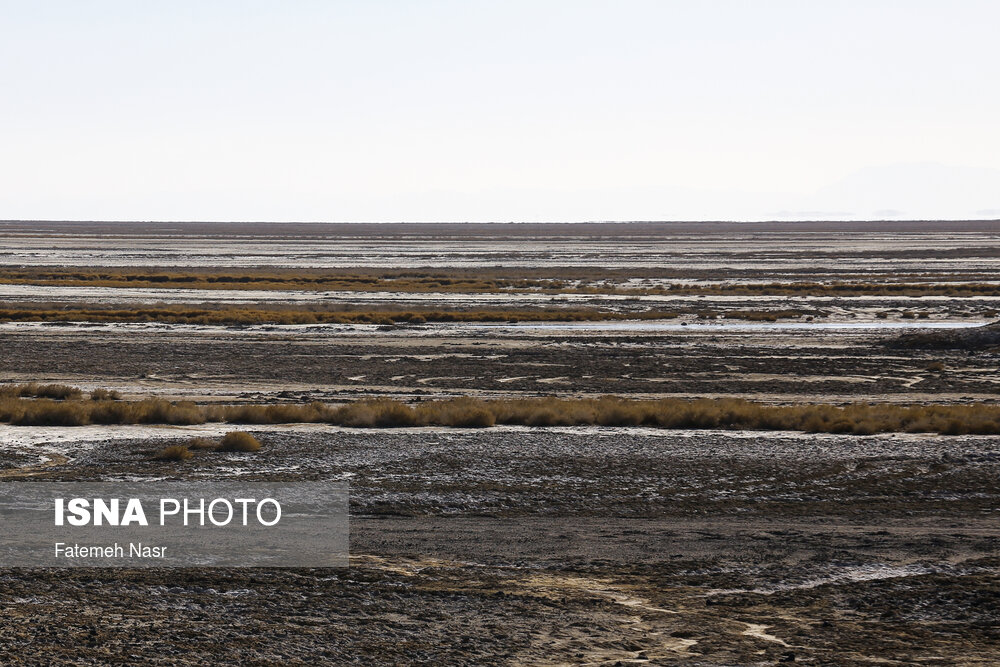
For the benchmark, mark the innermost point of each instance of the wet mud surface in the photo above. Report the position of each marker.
(314, 363)
(564, 546)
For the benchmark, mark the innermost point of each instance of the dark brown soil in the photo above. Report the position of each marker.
(985, 338)
(565, 546)
(306, 365)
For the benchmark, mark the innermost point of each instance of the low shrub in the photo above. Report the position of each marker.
(55, 391)
(675, 413)
(199, 442)
(113, 412)
(46, 412)
(104, 395)
(239, 441)
(459, 412)
(174, 453)
(379, 412)
(228, 315)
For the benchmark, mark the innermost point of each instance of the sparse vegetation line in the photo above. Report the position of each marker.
(243, 316)
(300, 279)
(858, 418)
(554, 280)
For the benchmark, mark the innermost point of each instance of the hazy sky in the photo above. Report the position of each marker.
(466, 110)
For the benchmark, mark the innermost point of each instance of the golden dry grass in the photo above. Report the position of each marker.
(277, 279)
(560, 279)
(57, 391)
(763, 315)
(174, 453)
(238, 316)
(239, 441)
(105, 395)
(670, 413)
(199, 442)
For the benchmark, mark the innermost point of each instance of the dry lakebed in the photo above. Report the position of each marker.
(577, 531)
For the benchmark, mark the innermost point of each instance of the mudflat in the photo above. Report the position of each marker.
(538, 544)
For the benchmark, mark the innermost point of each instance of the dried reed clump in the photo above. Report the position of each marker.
(281, 413)
(857, 418)
(542, 412)
(174, 453)
(160, 411)
(229, 315)
(562, 279)
(113, 412)
(768, 315)
(75, 412)
(56, 391)
(239, 441)
(199, 442)
(278, 315)
(359, 280)
(459, 412)
(378, 413)
(843, 288)
(44, 412)
(105, 395)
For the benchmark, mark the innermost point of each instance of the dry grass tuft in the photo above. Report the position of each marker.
(199, 442)
(174, 453)
(278, 279)
(589, 280)
(857, 418)
(239, 441)
(378, 413)
(44, 412)
(105, 395)
(56, 391)
(458, 412)
(228, 315)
